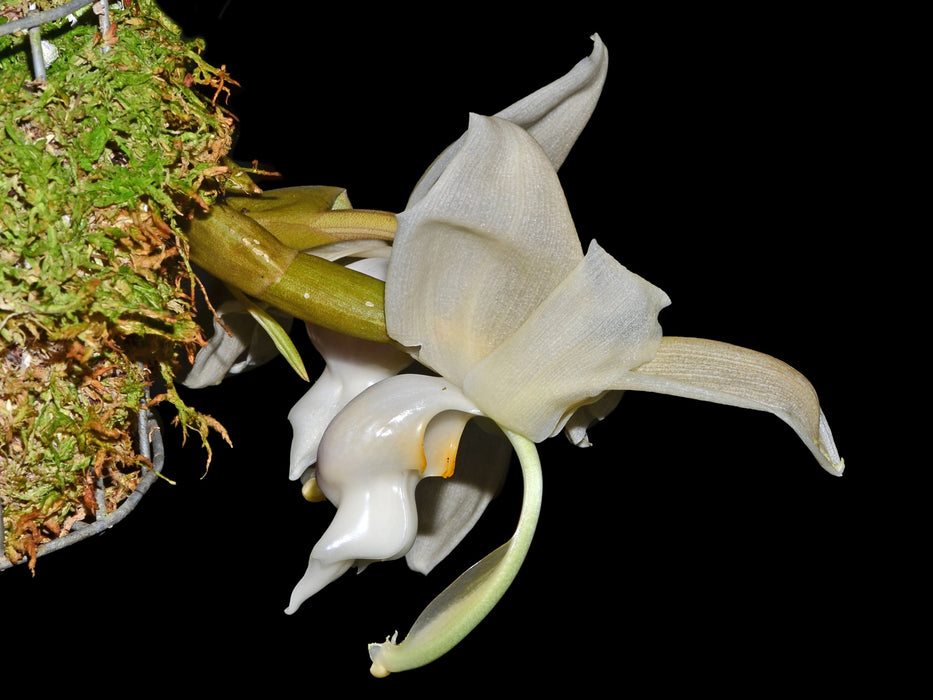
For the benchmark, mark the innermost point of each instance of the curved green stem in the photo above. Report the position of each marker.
(463, 604)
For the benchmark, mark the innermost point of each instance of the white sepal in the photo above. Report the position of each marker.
(598, 324)
(714, 371)
(554, 115)
(238, 344)
(484, 247)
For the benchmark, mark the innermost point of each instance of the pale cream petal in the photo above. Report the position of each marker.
(237, 345)
(481, 251)
(581, 420)
(583, 339)
(554, 115)
(728, 374)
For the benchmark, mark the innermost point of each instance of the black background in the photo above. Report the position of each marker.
(695, 545)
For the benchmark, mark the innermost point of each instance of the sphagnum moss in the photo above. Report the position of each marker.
(126, 136)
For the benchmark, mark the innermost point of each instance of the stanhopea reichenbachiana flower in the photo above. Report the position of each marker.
(519, 334)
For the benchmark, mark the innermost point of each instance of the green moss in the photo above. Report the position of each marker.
(98, 165)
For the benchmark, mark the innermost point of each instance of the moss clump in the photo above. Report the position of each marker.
(99, 163)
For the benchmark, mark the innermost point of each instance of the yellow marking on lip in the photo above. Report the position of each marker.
(450, 460)
(424, 460)
(443, 461)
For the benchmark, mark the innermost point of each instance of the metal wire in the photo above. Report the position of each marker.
(32, 23)
(44, 17)
(150, 446)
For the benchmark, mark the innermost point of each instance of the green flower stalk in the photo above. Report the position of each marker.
(235, 248)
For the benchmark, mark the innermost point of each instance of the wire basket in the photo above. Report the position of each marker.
(152, 449)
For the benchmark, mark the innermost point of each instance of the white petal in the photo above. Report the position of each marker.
(370, 459)
(591, 331)
(554, 115)
(317, 575)
(238, 344)
(356, 248)
(481, 251)
(713, 371)
(449, 508)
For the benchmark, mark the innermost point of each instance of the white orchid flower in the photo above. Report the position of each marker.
(497, 204)
(488, 287)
